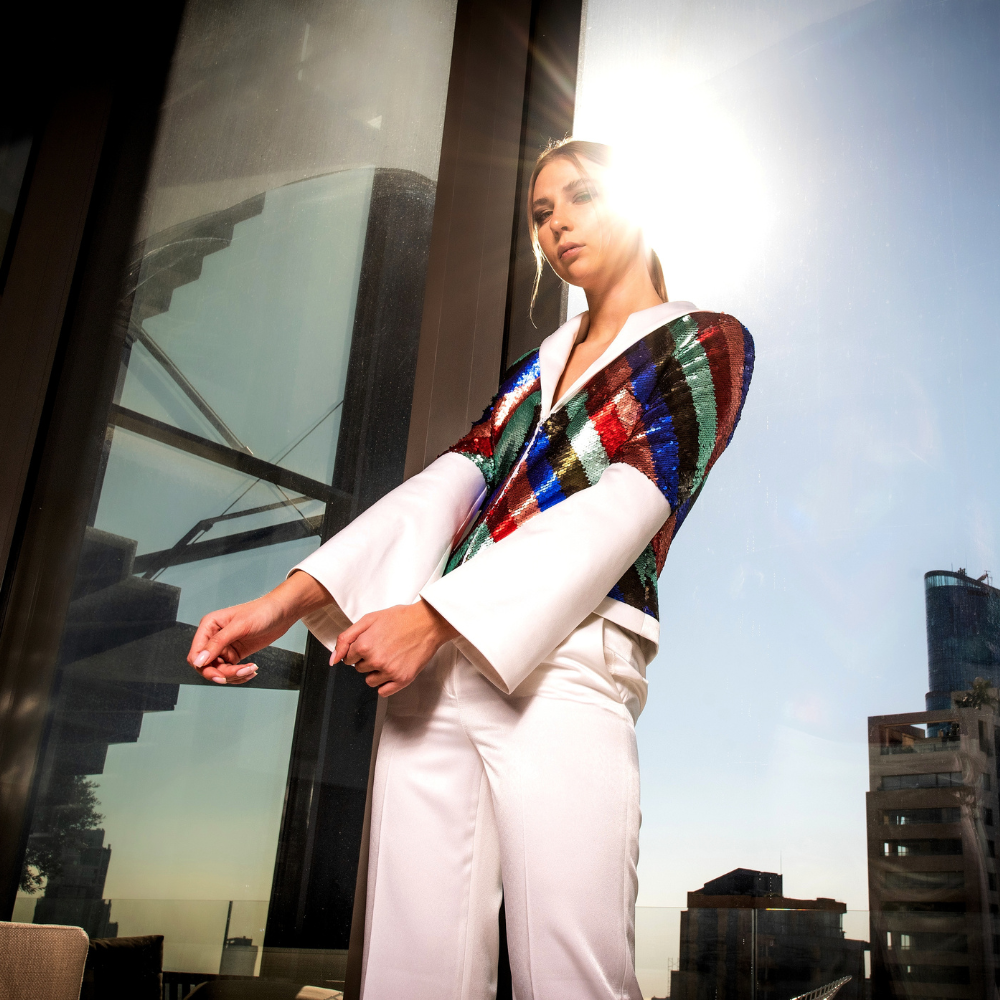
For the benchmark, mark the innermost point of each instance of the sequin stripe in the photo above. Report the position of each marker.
(662, 540)
(517, 504)
(520, 380)
(589, 447)
(637, 586)
(734, 374)
(653, 450)
(749, 359)
(563, 458)
(513, 436)
(726, 366)
(684, 423)
(698, 376)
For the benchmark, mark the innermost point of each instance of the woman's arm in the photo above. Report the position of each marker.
(225, 637)
(381, 559)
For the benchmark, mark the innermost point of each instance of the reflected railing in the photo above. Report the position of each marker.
(213, 937)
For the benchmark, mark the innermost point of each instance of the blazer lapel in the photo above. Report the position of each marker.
(555, 349)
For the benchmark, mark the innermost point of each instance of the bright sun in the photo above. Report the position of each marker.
(694, 183)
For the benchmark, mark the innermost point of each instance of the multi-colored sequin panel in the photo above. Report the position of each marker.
(667, 406)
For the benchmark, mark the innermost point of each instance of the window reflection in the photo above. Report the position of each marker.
(268, 322)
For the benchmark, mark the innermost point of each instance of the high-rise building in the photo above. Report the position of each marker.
(75, 895)
(741, 939)
(932, 870)
(963, 634)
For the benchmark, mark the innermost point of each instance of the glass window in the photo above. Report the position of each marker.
(907, 817)
(276, 277)
(826, 172)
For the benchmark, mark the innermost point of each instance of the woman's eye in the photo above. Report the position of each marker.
(540, 217)
(583, 196)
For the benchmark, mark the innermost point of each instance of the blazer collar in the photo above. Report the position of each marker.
(556, 348)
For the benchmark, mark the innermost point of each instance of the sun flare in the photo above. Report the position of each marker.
(686, 172)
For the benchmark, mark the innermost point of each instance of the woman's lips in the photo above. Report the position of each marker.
(570, 251)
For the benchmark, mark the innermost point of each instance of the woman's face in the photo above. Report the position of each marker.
(584, 239)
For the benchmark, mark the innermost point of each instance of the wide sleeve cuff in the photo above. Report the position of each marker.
(516, 600)
(387, 554)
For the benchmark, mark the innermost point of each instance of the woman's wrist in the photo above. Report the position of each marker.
(442, 630)
(297, 596)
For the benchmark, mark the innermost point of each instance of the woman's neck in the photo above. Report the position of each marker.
(609, 306)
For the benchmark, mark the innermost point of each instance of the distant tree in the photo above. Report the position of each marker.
(67, 810)
(980, 696)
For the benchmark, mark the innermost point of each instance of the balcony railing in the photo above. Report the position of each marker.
(924, 746)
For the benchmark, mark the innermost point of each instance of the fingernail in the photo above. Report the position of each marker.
(249, 668)
(201, 659)
(219, 680)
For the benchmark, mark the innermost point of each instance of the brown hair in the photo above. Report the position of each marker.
(576, 150)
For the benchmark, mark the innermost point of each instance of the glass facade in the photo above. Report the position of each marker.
(963, 634)
(269, 320)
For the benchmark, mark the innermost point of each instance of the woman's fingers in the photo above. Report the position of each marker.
(348, 637)
(229, 673)
(220, 646)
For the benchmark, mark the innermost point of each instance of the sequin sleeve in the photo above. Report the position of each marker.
(496, 437)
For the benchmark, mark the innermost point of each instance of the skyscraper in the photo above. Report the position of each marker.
(963, 634)
(932, 870)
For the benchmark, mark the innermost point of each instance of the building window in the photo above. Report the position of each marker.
(930, 941)
(924, 881)
(914, 817)
(956, 975)
(936, 779)
(992, 880)
(988, 817)
(991, 848)
(986, 783)
(922, 848)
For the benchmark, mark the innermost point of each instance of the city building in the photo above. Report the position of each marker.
(742, 938)
(932, 873)
(74, 893)
(963, 634)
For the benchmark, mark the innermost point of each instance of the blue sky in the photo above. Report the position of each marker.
(852, 221)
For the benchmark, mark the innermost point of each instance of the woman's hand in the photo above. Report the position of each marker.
(225, 637)
(394, 645)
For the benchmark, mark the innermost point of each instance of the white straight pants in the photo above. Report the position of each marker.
(532, 796)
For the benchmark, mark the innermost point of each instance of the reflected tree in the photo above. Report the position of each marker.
(981, 696)
(68, 812)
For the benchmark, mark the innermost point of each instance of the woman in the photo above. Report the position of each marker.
(506, 599)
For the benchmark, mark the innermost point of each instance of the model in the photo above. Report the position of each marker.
(506, 599)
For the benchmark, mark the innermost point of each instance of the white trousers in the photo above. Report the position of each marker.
(534, 797)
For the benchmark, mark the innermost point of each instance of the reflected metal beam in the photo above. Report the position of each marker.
(250, 465)
(256, 538)
(136, 332)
